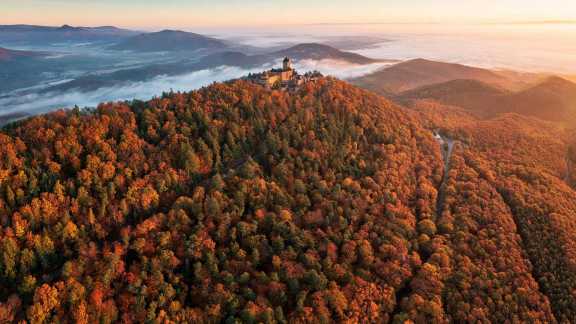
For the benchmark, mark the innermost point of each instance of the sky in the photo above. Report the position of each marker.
(191, 13)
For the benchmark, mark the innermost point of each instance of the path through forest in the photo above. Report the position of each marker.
(447, 147)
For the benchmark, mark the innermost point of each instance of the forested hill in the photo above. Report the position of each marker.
(238, 204)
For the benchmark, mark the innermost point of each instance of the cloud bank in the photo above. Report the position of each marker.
(144, 90)
(339, 69)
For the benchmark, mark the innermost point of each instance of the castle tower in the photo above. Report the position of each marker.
(287, 64)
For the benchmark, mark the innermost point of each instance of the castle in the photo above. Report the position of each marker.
(285, 79)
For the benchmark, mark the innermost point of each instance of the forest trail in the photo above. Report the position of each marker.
(447, 147)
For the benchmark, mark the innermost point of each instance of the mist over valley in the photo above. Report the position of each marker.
(47, 68)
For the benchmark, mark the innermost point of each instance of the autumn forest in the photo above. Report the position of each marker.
(238, 204)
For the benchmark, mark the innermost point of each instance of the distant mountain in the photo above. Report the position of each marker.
(169, 40)
(476, 96)
(228, 58)
(10, 55)
(27, 28)
(66, 33)
(64, 28)
(553, 99)
(520, 80)
(419, 72)
(314, 51)
(297, 53)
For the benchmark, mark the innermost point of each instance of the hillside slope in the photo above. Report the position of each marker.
(419, 72)
(554, 99)
(524, 163)
(476, 96)
(329, 204)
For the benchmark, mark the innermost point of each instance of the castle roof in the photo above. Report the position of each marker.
(286, 59)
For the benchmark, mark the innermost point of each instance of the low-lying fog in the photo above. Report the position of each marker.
(533, 47)
(38, 102)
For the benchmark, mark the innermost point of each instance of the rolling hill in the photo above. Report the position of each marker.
(416, 73)
(554, 99)
(169, 40)
(455, 90)
(477, 97)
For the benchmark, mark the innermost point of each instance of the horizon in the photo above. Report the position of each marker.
(570, 23)
(258, 13)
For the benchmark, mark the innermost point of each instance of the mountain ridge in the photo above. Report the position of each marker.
(411, 74)
(321, 51)
(24, 27)
(552, 99)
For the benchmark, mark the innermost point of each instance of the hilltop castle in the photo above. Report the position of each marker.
(285, 78)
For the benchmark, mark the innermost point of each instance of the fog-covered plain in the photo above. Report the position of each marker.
(531, 54)
(530, 47)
